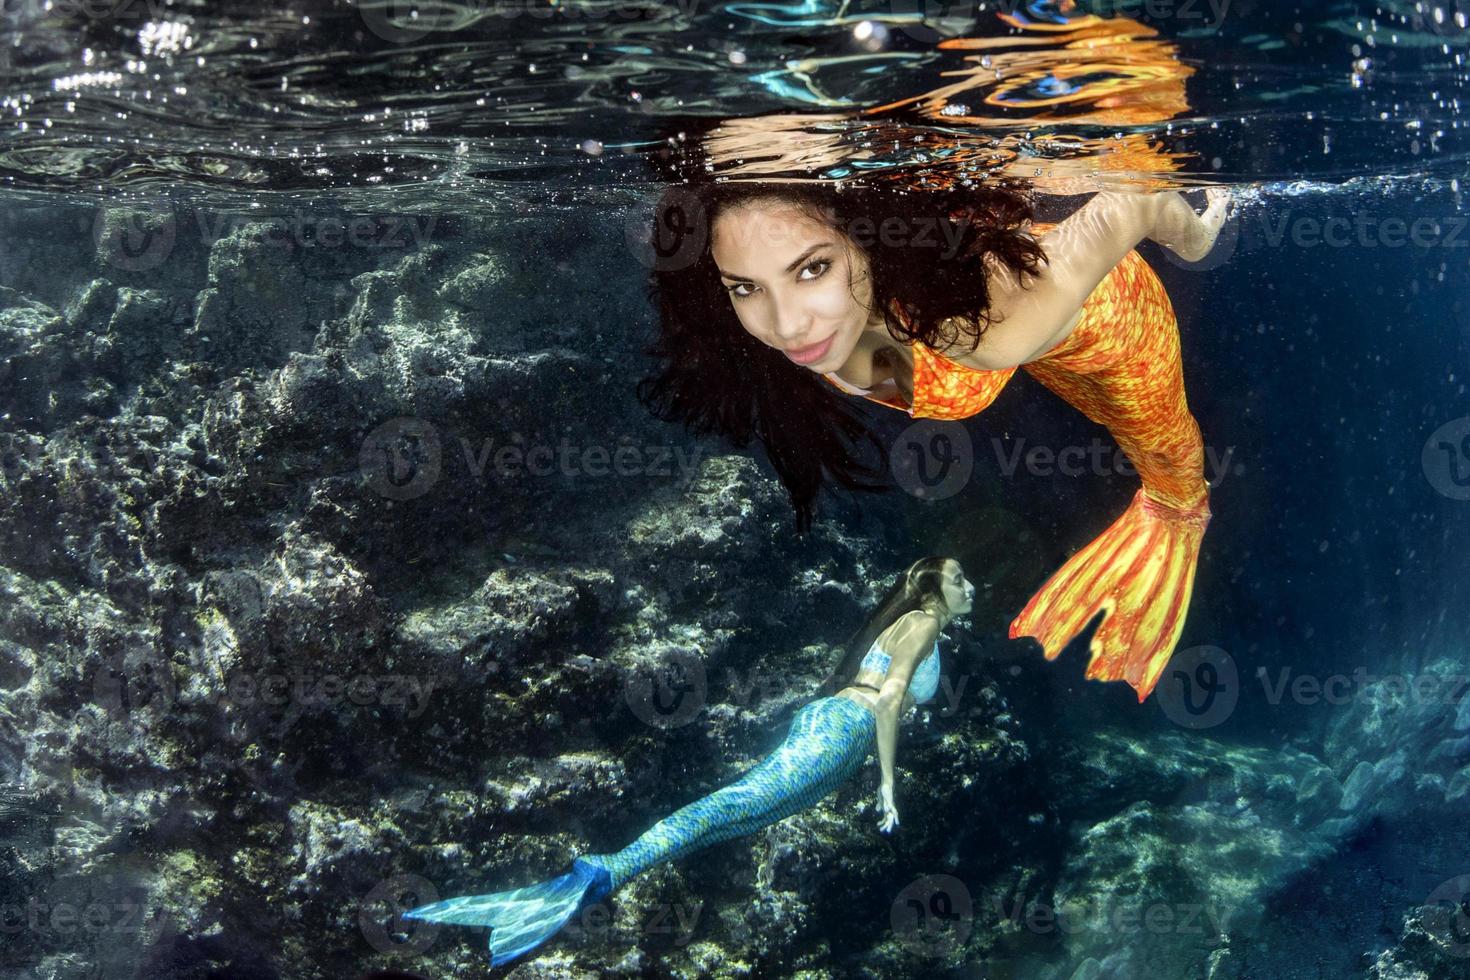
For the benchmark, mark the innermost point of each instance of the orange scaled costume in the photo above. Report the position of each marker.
(1120, 366)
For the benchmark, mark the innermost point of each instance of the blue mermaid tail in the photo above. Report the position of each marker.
(828, 742)
(523, 918)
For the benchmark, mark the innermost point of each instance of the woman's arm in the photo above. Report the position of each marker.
(1188, 235)
(887, 714)
(1031, 318)
(912, 638)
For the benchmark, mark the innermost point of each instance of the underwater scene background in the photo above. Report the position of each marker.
(341, 570)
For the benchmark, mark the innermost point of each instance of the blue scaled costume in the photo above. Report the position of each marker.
(828, 742)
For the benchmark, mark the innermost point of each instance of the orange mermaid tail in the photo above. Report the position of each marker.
(1121, 367)
(1140, 571)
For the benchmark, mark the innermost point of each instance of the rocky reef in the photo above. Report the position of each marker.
(335, 580)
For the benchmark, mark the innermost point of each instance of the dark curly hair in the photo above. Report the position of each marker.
(714, 376)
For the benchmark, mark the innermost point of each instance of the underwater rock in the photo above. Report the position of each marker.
(1407, 763)
(515, 616)
(36, 355)
(1177, 846)
(331, 848)
(258, 305)
(477, 286)
(55, 369)
(143, 335)
(1400, 727)
(1434, 946)
(86, 765)
(398, 331)
(708, 533)
(310, 591)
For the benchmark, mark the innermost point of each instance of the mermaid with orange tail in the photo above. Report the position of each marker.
(789, 301)
(1118, 364)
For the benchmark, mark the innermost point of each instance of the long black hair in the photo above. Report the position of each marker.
(923, 580)
(930, 262)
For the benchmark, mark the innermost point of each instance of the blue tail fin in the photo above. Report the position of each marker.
(522, 919)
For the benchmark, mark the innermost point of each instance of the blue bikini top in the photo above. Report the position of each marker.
(925, 682)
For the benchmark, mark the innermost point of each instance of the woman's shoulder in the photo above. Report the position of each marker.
(916, 625)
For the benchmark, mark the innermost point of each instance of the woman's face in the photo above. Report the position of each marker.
(959, 592)
(795, 284)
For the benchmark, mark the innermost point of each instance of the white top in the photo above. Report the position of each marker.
(850, 389)
(888, 388)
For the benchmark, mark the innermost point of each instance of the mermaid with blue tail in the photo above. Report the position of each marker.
(892, 662)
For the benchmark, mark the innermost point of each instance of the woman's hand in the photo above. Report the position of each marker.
(886, 807)
(1188, 235)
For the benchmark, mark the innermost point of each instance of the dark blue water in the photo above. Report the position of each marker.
(235, 244)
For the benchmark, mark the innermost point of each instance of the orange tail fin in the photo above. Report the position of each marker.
(1141, 571)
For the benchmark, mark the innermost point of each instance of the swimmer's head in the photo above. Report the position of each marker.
(935, 583)
(794, 282)
(942, 586)
(804, 270)
(745, 274)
